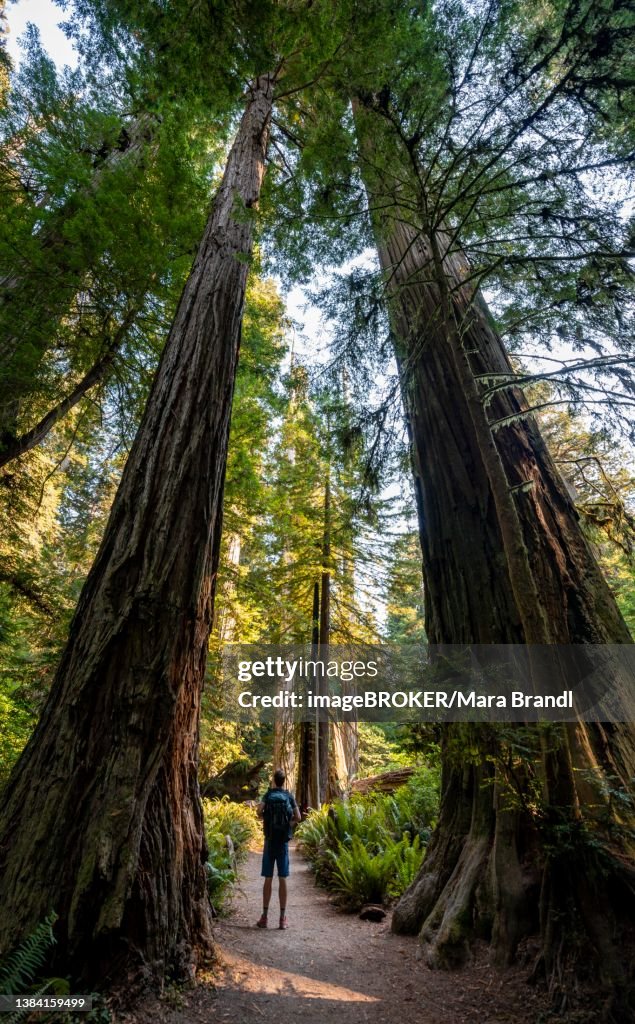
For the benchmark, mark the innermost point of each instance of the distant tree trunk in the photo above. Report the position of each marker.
(225, 624)
(336, 738)
(286, 735)
(342, 763)
(101, 820)
(308, 790)
(504, 561)
(346, 738)
(293, 742)
(5, 60)
(325, 726)
(284, 753)
(335, 744)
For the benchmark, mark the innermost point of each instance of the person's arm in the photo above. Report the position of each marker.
(296, 811)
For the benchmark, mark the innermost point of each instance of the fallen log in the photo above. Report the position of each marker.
(386, 782)
(239, 781)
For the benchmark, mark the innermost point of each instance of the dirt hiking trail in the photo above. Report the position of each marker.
(330, 966)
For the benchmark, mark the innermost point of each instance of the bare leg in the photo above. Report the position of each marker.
(266, 897)
(266, 893)
(282, 892)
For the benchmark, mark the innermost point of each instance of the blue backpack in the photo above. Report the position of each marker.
(277, 815)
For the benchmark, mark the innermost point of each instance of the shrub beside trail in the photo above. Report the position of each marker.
(230, 829)
(368, 849)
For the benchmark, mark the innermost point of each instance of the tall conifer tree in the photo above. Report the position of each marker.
(114, 841)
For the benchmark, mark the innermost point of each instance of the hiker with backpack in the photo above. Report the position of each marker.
(278, 811)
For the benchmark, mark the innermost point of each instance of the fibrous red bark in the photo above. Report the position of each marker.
(505, 562)
(101, 820)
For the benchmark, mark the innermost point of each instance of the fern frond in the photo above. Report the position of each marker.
(20, 966)
(18, 1015)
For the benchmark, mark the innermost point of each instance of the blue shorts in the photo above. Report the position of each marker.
(278, 855)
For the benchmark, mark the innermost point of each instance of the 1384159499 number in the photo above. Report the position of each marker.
(42, 1003)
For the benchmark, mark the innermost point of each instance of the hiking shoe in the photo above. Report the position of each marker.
(283, 923)
(262, 923)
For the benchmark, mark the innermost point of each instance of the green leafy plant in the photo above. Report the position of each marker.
(238, 821)
(20, 967)
(19, 976)
(369, 848)
(230, 829)
(405, 865)
(19, 970)
(361, 876)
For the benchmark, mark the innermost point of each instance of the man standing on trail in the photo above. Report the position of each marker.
(278, 810)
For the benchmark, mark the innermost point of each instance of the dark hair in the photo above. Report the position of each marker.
(279, 777)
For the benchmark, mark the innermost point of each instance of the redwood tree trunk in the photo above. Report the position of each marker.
(325, 726)
(307, 793)
(505, 561)
(101, 820)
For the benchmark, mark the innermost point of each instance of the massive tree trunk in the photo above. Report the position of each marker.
(101, 820)
(504, 561)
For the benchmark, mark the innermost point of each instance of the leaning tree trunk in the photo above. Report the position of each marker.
(101, 368)
(505, 561)
(101, 820)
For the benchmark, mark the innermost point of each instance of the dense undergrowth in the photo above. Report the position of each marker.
(230, 828)
(368, 849)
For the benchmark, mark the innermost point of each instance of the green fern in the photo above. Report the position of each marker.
(312, 834)
(20, 967)
(369, 848)
(405, 865)
(361, 876)
(18, 971)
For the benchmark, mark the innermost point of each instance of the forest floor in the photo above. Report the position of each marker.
(330, 965)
